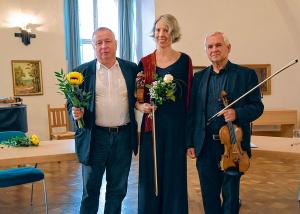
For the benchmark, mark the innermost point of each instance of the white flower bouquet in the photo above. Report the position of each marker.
(162, 89)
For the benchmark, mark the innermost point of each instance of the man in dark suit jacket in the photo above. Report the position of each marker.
(110, 133)
(202, 138)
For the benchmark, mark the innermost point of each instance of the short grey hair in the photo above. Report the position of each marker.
(172, 23)
(102, 29)
(226, 40)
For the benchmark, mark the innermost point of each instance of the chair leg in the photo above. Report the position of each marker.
(31, 198)
(45, 196)
(31, 195)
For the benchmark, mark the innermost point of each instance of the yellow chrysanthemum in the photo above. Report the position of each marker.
(75, 78)
(34, 140)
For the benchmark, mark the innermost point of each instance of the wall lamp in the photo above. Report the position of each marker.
(25, 35)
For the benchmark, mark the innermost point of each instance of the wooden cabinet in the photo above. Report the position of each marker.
(275, 122)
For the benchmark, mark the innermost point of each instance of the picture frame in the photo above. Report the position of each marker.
(263, 71)
(27, 77)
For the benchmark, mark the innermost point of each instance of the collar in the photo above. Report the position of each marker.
(224, 69)
(100, 66)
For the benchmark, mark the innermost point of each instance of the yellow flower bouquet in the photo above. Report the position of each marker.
(23, 141)
(69, 86)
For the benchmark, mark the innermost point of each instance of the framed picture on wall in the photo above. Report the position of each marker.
(27, 77)
(263, 71)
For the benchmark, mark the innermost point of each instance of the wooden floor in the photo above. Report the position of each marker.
(270, 186)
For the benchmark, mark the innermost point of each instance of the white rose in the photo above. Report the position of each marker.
(168, 78)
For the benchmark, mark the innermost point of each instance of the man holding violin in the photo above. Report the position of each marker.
(220, 185)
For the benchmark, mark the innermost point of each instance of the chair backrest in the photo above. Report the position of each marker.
(58, 118)
(9, 134)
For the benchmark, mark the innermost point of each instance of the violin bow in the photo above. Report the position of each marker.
(252, 89)
(154, 150)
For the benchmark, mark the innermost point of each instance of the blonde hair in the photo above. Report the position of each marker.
(173, 26)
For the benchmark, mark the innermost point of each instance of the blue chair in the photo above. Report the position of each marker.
(21, 175)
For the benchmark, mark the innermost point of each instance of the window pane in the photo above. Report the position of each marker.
(108, 15)
(87, 53)
(86, 23)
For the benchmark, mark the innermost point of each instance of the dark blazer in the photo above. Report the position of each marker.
(84, 137)
(248, 109)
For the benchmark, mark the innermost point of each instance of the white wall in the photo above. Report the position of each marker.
(261, 32)
(48, 46)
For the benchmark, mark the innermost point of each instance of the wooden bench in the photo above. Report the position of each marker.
(275, 122)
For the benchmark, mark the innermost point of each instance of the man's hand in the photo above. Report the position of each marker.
(77, 113)
(229, 115)
(191, 153)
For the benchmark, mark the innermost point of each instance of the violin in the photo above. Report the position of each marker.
(140, 85)
(231, 136)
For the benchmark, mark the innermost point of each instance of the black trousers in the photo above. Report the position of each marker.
(110, 151)
(215, 183)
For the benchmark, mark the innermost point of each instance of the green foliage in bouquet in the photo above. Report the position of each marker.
(23, 141)
(69, 86)
(162, 89)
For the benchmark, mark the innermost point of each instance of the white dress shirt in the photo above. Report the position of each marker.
(111, 96)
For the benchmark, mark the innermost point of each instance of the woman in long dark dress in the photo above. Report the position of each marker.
(170, 126)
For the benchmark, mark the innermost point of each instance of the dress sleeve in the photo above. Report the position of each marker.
(189, 83)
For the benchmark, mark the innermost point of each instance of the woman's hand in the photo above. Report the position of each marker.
(144, 107)
(77, 113)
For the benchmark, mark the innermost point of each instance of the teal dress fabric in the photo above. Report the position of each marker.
(171, 150)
